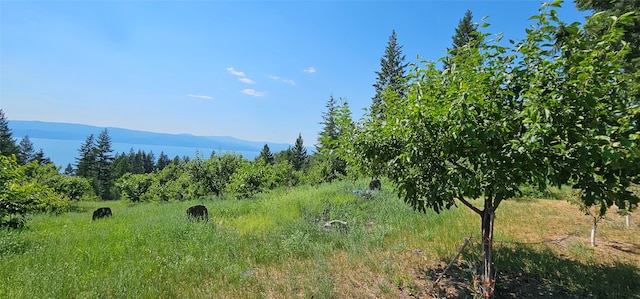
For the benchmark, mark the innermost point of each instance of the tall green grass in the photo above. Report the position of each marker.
(272, 245)
(151, 250)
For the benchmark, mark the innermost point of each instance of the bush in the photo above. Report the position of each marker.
(133, 186)
(20, 194)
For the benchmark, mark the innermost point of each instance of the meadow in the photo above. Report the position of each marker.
(276, 245)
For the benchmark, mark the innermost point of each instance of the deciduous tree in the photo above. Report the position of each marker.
(505, 117)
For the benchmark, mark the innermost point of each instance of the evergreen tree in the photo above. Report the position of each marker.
(121, 166)
(85, 165)
(41, 158)
(391, 76)
(266, 155)
(136, 160)
(69, 170)
(299, 154)
(8, 145)
(148, 162)
(26, 151)
(103, 160)
(329, 135)
(163, 161)
(466, 34)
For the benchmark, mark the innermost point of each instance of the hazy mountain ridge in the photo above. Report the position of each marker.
(61, 141)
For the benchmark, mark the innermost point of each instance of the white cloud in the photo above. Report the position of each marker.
(310, 70)
(200, 96)
(234, 72)
(277, 78)
(246, 80)
(253, 92)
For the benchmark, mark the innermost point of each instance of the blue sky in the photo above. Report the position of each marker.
(255, 70)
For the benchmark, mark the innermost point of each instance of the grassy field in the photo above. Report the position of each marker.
(276, 246)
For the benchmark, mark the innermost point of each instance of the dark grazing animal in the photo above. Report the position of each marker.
(375, 185)
(198, 212)
(101, 213)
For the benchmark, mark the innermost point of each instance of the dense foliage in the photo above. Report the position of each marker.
(501, 117)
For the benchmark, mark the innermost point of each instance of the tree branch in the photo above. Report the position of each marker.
(470, 206)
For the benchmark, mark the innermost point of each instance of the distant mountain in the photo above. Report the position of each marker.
(61, 141)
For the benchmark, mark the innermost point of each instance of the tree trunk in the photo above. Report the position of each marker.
(488, 281)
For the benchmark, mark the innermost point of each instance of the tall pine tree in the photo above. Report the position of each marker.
(8, 145)
(163, 161)
(299, 154)
(391, 77)
(329, 135)
(103, 160)
(26, 150)
(266, 155)
(85, 163)
(466, 34)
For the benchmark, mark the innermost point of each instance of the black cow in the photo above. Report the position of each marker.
(198, 212)
(101, 213)
(375, 185)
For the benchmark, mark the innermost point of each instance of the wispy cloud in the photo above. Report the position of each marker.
(200, 96)
(253, 92)
(277, 78)
(310, 70)
(234, 72)
(246, 80)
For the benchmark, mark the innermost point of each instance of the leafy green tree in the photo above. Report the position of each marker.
(266, 155)
(85, 163)
(504, 118)
(26, 152)
(70, 188)
(212, 175)
(631, 24)
(248, 179)
(585, 118)
(299, 154)
(133, 187)
(283, 155)
(466, 35)
(391, 77)
(103, 161)
(8, 145)
(21, 194)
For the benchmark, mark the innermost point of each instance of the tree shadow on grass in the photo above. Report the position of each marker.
(528, 272)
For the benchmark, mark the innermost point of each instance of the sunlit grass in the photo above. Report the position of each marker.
(272, 246)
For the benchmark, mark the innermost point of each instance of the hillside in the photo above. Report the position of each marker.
(61, 141)
(278, 246)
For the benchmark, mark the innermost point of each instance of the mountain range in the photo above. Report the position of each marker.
(61, 141)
